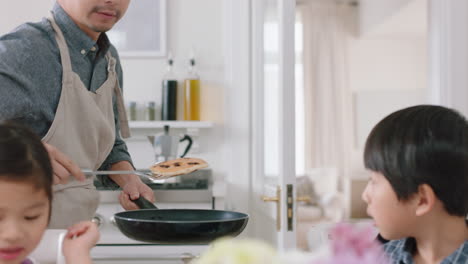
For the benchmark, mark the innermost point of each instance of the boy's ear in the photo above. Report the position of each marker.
(426, 199)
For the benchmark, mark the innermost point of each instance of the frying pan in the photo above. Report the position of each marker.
(178, 226)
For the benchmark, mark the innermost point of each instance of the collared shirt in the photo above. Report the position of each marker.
(401, 252)
(31, 73)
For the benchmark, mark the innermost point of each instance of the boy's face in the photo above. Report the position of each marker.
(95, 16)
(393, 218)
(24, 216)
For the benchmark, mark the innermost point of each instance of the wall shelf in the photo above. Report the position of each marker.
(171, 124)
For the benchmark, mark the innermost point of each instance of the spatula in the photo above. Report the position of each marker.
(149, 175)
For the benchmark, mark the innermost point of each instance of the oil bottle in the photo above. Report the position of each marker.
(169, 93)
(192, 93)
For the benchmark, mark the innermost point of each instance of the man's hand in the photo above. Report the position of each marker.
(132, 186)
(63, 166)
(131, 191)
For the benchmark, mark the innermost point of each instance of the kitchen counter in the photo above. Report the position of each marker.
(166, 254)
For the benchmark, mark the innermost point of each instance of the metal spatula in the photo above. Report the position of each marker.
(149, 175)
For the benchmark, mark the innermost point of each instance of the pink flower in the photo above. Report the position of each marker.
(351, 244)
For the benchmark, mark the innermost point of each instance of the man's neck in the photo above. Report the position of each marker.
(440, 240)
(92, 34)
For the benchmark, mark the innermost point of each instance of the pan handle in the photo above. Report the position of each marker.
(143, 203)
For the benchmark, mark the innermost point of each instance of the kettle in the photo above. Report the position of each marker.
(166, 146)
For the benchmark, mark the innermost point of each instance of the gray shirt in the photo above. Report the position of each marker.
(31, 74)
(401, 252)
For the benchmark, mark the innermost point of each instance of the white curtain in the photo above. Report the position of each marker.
(328, 110)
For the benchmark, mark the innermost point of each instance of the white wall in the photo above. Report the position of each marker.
(408, 19)
(387, 64)
(385, 74)
(375, 12)
(14, 13)
(388, 67)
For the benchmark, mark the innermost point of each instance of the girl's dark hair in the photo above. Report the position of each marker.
(423, 144)
(23, 158)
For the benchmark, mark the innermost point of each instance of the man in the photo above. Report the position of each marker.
(62, 77)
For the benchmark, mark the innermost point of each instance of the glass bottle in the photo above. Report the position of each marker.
(151, 110)
(192, 93)
(169, 93)
(133, 111)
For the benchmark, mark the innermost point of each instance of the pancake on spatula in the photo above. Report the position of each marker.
(176, 167)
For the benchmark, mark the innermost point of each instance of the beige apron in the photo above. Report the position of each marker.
(83, 129)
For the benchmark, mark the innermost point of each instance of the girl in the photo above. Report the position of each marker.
(25, 201)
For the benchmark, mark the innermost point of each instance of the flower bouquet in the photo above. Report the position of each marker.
(348, 244)
(239, 251)
(352, 244)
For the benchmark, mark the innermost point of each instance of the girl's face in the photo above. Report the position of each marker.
(393, 218)
(24, 216)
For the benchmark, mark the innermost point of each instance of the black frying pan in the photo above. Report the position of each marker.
(178, 226)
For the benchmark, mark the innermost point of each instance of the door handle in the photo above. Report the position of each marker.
(269, 199)
(275, 199)
(305, 198)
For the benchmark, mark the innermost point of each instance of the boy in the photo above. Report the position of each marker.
(418, 188)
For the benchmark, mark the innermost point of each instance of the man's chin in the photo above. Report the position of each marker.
(101, 28)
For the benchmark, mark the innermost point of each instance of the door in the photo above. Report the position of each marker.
(273, 122)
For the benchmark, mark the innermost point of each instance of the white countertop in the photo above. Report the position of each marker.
(146, 253)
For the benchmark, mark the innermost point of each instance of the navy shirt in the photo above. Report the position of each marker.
(31, 73)
(401, 252)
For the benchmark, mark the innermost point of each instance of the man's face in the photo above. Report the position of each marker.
(395, 219)
(95, 16)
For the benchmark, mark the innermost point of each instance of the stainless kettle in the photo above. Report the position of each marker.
(166, 146)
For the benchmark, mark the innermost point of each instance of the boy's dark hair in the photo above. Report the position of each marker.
(23, 158)
(423, 144)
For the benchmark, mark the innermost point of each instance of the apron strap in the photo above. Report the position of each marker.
(124, 127)
(62, 45)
